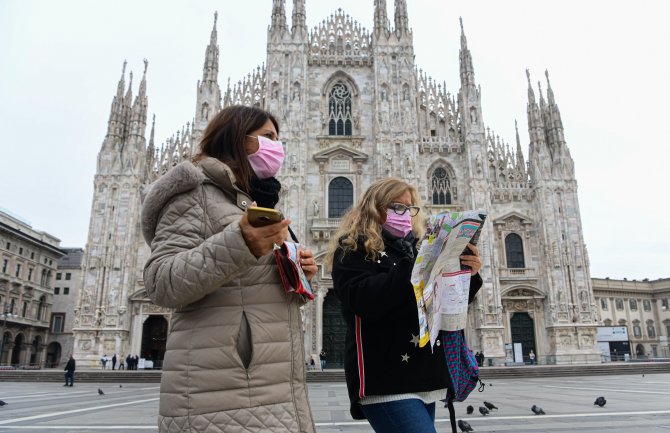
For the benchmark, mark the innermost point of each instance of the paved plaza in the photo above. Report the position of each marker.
(634, 404)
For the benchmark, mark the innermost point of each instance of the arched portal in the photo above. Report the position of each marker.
(154, 336)
(523, 331)
(18, 349)
(639, 351)
(35, 349)
(334, 331)
(54, 353)
(5, 346)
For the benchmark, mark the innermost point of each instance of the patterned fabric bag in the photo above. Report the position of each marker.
(461, 363)
(463, 370)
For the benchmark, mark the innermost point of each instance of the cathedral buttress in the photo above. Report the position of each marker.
(101, 323)
(571, 317)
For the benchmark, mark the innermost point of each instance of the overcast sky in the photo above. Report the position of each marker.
(609, 66)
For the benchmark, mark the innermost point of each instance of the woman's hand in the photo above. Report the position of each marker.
(473, 260)
(307, 263)
(261, 240)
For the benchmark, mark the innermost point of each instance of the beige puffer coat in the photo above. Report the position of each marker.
(235, 356)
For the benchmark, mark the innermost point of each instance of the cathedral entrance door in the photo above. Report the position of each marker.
(523, 331)
(154, 335)
(334, 330)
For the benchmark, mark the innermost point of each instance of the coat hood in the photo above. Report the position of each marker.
(180, 179)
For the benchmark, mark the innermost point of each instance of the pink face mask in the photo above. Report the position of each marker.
(268, 159)
(398, 225)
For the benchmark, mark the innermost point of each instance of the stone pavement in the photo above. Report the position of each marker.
(635, 404)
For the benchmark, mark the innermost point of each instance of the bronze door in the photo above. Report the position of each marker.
(334, 331)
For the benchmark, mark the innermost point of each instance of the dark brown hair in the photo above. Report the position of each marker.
(225, 136)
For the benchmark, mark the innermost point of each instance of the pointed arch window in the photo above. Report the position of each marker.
(514, 251)
(440, 184)
(339, 110)
(340, 196)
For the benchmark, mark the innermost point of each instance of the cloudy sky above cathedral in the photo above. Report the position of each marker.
(607, 61)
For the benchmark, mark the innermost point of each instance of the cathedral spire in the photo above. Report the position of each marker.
(210, 69)
(520, 162)
(208, 100)
(115, 122)
(539, 158)
(121, 87)
(298, 23)
(381, 20)
(278, 17)
(153, 128)
(138, 116)
(467, 70)
(531, 94)
(550, 92)
(401, 18)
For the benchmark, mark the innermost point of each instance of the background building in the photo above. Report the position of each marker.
(66, 294)
(642, 307)
(28, 260)
(354, 107)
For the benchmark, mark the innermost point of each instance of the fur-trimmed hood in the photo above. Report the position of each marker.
(180, 179)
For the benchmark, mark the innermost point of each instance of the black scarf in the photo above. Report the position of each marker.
(265, 192)
(405, 246)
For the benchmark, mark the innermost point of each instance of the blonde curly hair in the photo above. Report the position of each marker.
(365, 219)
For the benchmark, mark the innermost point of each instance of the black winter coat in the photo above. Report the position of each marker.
(382, 355)
(70, 366)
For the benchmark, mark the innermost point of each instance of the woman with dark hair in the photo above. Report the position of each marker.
(392, 381)
(235, 357)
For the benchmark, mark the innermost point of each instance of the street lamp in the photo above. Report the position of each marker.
(6, 312)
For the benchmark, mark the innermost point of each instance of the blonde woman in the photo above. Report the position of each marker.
(391, 380)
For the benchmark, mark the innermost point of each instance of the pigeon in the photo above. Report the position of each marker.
(464, 426)
(600, 401)
(100, 392)
(470, 409)
(484, 411)
(120, 386)
(490, 406)
(537, 410)
(2, 403)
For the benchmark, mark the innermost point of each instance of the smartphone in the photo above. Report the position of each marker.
(263, 216)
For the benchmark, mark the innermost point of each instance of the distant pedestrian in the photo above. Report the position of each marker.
(477, 358)
(103, 361)
(531, 356)
(129, 362)
(69, 372)
(322, 358)
(121, 362)
(312, 364)
(114, 362)
(481, 358)
(136, 360)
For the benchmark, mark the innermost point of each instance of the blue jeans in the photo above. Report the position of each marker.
(402, 416)
(69, 378)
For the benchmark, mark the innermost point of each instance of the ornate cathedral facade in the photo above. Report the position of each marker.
(354, 107)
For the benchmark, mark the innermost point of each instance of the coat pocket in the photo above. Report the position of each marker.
(244, 346)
